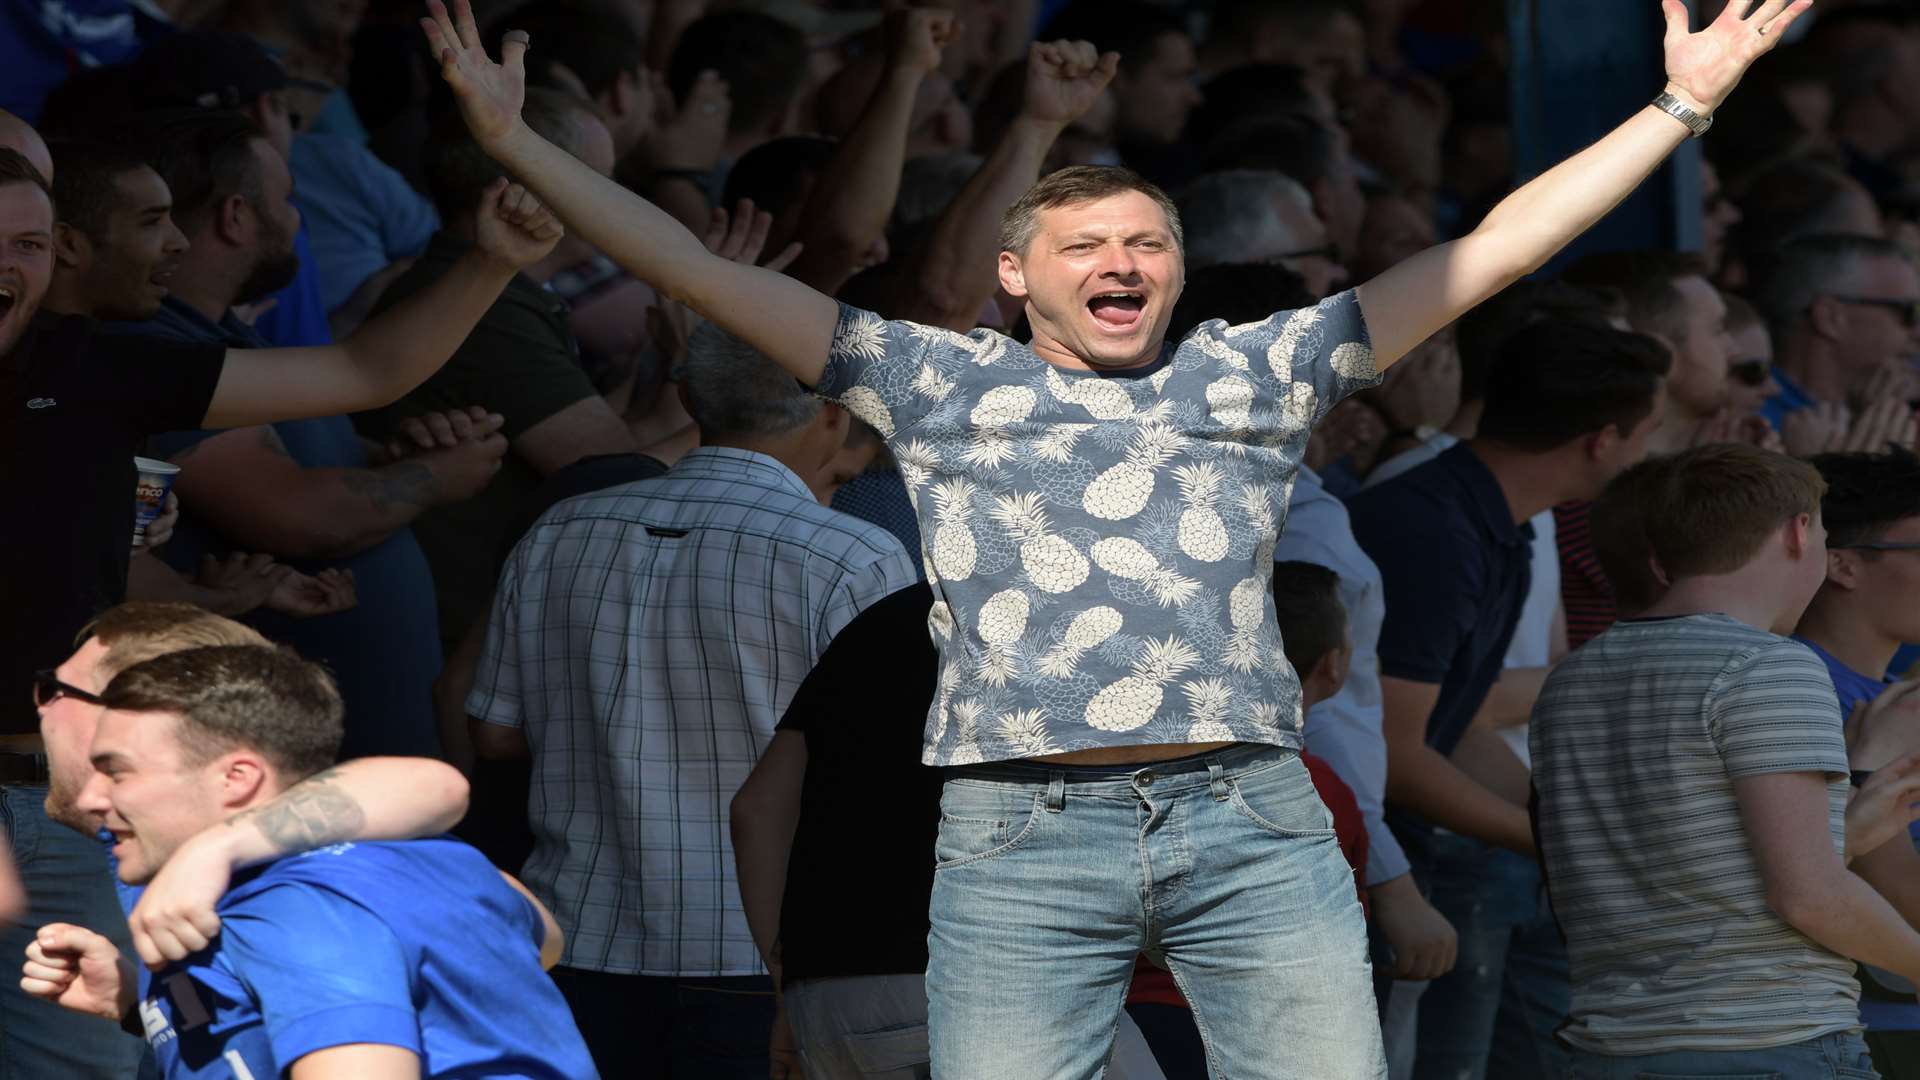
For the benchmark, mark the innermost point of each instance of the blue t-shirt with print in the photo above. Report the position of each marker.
(1100, 544)
(418, 944)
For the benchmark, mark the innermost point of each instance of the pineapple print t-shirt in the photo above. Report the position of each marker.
(1100, 546)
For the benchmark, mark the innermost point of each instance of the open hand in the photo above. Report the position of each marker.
(1885, 728)
(489, 94)
(741, 236)
(77, 969)
(1065, 79)
(439, 430)
(513, 226)
(1425, 945)
(1703, 68)
(1816, 429)
(1884, 806)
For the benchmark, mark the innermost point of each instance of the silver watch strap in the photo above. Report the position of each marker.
(1684, 113)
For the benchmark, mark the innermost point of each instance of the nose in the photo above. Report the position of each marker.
(1116, 260)
(176, 240)
(93, 797)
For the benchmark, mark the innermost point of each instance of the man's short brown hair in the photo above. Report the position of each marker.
(264, 697)
(141, 630)
(1618, 524)
(1714, 507)
(1077, 185)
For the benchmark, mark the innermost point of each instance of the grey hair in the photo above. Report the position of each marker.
(1809, 267)
(733, 389)
(1231, 217)
(929, 183)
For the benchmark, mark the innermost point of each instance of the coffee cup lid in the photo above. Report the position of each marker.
(153, 465)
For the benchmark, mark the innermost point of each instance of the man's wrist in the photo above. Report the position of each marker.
(1038, 129)
(1691, 101)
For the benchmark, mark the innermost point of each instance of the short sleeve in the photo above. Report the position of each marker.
(325, 971)
(516, 364)
(885, 639)
(495, 696)
(1773, 710)
(890, 374)
(1431, 584)
(1325, 347)
(160, 385)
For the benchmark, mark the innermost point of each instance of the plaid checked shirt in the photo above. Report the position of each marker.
(647, 638)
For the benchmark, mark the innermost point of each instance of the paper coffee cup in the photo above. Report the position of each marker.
(150, 494)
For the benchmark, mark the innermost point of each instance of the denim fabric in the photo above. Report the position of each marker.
(67, 880)
(1840, 1056)
(1495, 1013)
(1050, 880)
(657, 1027)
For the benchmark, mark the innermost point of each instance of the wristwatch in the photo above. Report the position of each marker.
(1673, 107)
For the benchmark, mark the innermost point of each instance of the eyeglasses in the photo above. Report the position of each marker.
(1754, 372)
(1907, 311)
(47, 688)
(1880, 545)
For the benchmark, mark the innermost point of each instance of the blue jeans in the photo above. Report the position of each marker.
(67, 880)
(1495, 1013)
(1050, 880)
(1840, 1056)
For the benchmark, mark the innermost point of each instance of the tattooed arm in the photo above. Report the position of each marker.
(249, 488)
(366, 799)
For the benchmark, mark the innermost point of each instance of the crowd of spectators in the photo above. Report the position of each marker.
(1598, 602)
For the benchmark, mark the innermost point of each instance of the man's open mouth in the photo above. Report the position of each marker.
(1118, 310)
(8, 294)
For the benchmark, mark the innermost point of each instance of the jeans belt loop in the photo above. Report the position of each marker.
(1056, 792)
(1217, 780)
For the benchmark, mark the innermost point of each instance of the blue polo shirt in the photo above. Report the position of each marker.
(419, 944)
(1791, 398)
(1455, 568)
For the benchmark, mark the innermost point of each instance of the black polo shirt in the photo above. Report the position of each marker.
(860, 877)
(1454, 569)
(78, 404)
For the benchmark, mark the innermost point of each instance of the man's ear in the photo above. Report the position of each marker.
(1600, 445)
(1798, 535)
(244, 776)
(1843, 569)
(235, 221)
(837, 421)
(1013, 278)
(71, 248)
(1828, 317)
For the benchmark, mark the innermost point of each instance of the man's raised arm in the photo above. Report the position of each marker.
(1407, 303)
(777, 315)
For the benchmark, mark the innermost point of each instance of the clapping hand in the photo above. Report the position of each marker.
(304, 597)
(1065, 79)
(1704, 67)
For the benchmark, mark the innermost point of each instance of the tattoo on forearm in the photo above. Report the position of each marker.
(406, 483)
(311, 814)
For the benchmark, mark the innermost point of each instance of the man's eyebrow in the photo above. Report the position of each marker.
(108, 759)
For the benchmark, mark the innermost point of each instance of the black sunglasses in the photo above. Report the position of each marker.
(47, 688)
(1881, 545)
(1331, 253)
(1752, 372)
(1907, 311)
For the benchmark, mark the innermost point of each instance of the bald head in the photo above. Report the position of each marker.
(18, 135)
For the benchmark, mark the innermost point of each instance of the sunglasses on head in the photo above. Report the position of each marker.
(1907, 311)
(1753, 372)
(47, 688)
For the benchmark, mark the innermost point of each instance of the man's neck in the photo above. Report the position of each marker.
(65, 297)
(1676, 430)
(1814, 368)
(1849, 640)
(207, 293)
(1744, 595)
(1531, 481)
(1466, 419)
(791, 451)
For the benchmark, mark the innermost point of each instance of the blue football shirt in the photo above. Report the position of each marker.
(418, 944)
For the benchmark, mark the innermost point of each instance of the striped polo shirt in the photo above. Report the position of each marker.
(1637, 739)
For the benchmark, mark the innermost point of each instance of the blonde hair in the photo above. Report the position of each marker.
(138, 631)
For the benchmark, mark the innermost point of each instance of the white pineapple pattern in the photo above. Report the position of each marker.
(1126, 558)
(954, 549)
(1203, 535)
(1230, 402)
(1132, 701)
(1219, 350)
(1103, 400)
(1057, 442)
(1088, 630)
(1027, 730)
(966, 733)
(931, 384)
(1123, 491)
(1207, 701)
(1354, 360)
(1003, 618)
(1052, 564)
(999, 409)
(863, 336)
(864, 403)
(1281, 353)
(916, 462)
(1247, 603)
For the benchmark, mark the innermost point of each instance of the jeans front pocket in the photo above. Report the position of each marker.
(894, 1054)
(981, 820)
(1282, 799)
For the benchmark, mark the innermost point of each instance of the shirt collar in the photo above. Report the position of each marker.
(742, 466)
(1488, 501)
(180, 320)
(1791, 396)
